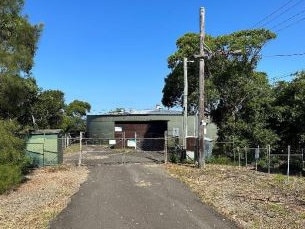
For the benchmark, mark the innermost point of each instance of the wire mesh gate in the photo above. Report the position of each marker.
(122, 151)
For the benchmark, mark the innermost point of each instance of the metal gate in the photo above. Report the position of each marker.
(97, 151)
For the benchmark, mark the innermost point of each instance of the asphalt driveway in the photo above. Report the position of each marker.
(136, 195)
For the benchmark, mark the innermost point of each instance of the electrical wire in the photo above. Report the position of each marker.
(274, 79)
(282, 13)
(285, 55)
(291, 24)
(271, 14)
(289, 19)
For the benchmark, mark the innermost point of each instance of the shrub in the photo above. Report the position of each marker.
(220, 159)
(11, 176)
(13, 162)
(12, 148)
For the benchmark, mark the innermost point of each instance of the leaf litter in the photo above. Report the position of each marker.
(250, 198)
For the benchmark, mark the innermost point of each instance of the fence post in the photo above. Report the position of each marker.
(269, 159)
(238, 156)
(123, 139)
(288, 166)
(135, 139)
(256, 156)
(43, 154)
(234, 154)
(80, 148)
(246, 156)
(302, 151)
(165, 147)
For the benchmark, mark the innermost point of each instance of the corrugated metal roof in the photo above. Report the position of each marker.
(155, 112)
(47, 131)
(143, 112)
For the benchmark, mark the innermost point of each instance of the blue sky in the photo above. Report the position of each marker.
(114, 53)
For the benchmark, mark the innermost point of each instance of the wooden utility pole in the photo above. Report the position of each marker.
(201, 153)
(185, 93)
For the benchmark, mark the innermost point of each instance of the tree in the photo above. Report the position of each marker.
(235, 94)
(187, 46)
(289, 111)
(18, 44)
(17, 95)
(74, 118)
(48, 109)
(18, 39)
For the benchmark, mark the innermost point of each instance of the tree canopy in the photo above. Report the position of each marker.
(23, 105)
(18, 44)
(21, 99)
(237, 98)
(74, 119)
(18, 39)
(288, 113)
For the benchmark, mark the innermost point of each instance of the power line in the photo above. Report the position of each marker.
(289, 19)
(291, 24)
(272, 13)
(286, 55)
(276, 78)
(279, 13)
(282, 13)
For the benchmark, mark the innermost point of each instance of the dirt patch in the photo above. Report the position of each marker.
(38, 200)
(252, 199)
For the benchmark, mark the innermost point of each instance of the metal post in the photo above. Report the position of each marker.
(135, 139)
(123, 139)
(80, 148)
(185, 93)
(165, 147)
(238, 156)
(288, 162)
(246, 155)
(269, 159)
(201, 156)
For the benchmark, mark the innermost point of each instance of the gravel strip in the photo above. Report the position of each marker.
(41, 197)
(252, 199)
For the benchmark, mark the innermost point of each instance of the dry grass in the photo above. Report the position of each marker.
(38, 200)
(251, 199)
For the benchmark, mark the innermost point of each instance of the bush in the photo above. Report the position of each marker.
(13, 162)
(11, 176)
(12, 148)
(220, 159)
(262, 164)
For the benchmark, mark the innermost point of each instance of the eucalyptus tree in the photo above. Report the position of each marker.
(48, 109)
(18, 44)
(288, 117)
(75, 115)
(236, 96)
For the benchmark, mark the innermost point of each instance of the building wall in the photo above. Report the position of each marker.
(102, 126)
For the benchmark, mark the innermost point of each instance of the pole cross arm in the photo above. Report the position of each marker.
(200, 56)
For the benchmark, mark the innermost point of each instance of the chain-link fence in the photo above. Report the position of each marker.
(95, 151)
(283, 160)
(160, 150)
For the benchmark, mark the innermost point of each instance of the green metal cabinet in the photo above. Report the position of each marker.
(45, 147)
